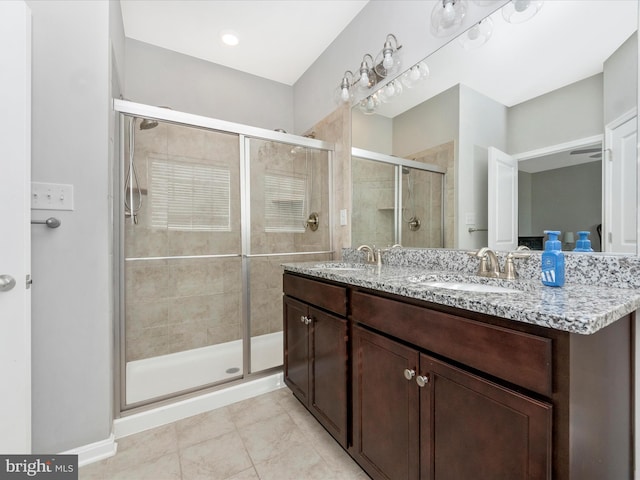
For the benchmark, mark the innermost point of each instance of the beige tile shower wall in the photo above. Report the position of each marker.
(442, 156)
(277, 158)
(373, 201)
(336, 128)
(180, 304)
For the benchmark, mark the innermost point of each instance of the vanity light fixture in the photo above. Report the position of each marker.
(372, 71)
(518, 11)
(477, 35)
(447, 16)
(388, 60)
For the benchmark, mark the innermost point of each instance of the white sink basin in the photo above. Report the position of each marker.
(472, 287)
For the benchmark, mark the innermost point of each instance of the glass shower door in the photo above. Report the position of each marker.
(288, 185)
(182, 260)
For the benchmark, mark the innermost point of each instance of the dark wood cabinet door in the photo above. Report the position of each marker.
(328, 380)
(385, 407)
(473, 428)
(296, 348)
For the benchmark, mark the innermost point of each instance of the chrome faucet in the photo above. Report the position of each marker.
(490, 266)
(371, 254)
(374, 255)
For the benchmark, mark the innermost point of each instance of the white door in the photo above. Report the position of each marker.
(620, 228)
(15, 233)
(502, 214)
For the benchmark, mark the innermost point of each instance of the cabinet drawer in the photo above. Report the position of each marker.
(328, 297)
(516, 357)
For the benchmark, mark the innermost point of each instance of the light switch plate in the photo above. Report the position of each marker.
(51, 196)
(343, 217)
(470, 219)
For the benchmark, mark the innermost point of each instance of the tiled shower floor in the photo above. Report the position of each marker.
(271, 436)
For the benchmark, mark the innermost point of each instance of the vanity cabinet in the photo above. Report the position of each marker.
(440, 393)
(417, 417)
(315, 350)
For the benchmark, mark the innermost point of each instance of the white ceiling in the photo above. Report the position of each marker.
(279, 40)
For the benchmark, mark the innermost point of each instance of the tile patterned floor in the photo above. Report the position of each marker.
(269, 437)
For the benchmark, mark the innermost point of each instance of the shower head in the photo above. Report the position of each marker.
(147, 124)
(405, 170)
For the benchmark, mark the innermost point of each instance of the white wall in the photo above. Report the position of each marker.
(428, 125)
(621, 88)
(371, 132)
(408, 20)
(71, 323)
(156, 76)
(483, 124)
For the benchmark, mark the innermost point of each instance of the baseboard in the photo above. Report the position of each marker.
(94, 452)
(156, 417)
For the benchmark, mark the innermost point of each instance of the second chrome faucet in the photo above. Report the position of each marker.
(374, 255)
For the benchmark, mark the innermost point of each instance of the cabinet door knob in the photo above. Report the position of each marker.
(409, 374)
(422, 380)
(308, 320)
(303, 319)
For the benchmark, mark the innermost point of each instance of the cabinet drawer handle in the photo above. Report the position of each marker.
(422, 380)
(409, 374)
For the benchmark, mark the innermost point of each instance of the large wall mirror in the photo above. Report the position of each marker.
(550, 104)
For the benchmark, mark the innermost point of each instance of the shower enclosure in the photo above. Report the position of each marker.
(208, 211)
(396, 200)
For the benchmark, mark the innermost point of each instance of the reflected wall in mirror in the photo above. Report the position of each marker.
(564, 80)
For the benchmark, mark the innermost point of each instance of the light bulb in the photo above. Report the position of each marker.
(474, 32)
(390, 90)
(449, 14)
(388, 60)
(344, 95)
(518, 11)
(415, 73)
(364, 79)
(521, 5)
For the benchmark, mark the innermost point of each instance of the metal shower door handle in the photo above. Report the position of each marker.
(7, 282)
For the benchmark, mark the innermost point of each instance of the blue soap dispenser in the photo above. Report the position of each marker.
(552, 260)
(583, 244)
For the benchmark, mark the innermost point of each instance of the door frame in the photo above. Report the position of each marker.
(15, 336)
(609, 129)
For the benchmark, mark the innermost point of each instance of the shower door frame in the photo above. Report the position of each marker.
(398, 163)
(245, 133)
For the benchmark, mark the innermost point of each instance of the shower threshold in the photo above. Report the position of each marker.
(175, 372)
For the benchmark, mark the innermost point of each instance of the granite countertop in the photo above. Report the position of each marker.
(575, 308)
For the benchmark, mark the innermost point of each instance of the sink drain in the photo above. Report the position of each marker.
(233, 370)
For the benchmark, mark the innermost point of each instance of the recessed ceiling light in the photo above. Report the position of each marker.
(229, 37)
